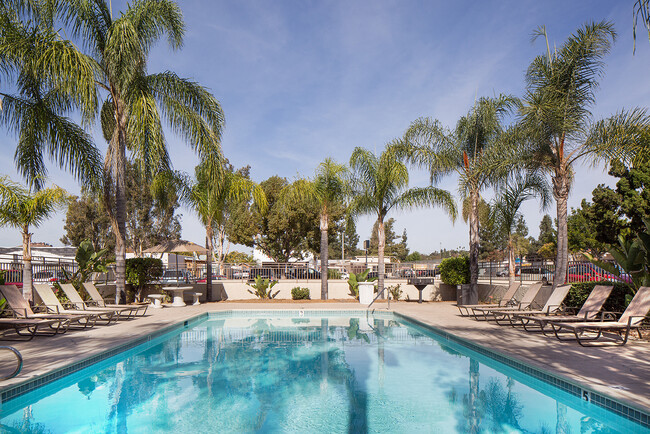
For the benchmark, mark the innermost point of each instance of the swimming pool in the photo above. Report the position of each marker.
(304, 372)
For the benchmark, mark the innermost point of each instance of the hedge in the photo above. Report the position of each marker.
(299, 293)
(455, 271)
(617, 301)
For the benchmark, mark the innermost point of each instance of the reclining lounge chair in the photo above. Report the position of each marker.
(91, 289)
(507, 300)
(54, 305)
(22, 309)
(590, 311)
(525, 303)
(616, 332)
(552, 306)
(25, 328)
(124, 312)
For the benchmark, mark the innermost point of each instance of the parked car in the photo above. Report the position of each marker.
(425, 273)
(535, 273)
(503, 273)
(267, 273)
(48, 277)
(176, 276)
(586, 272)
(215, 276)
(303, 273)
(240, 274)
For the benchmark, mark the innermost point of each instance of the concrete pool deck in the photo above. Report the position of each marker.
(621, 373)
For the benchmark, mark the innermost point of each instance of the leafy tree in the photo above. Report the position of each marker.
(87, 220)
(583, 232)
(413, 257)
(141, 271)
(557, 123)
(236, 257)
(475, 151)
(547, 233)
(394, 244)
(633, 191)
(604, 214)
(327, 191)
(351, 239)
(509, 199)
(134, 100)
(380, 184)
(283, 231)
(209, 195)
(150, 218)
(21, 208)
(47, 90)
(641, 10)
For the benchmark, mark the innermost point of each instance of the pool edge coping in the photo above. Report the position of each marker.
(619, 406)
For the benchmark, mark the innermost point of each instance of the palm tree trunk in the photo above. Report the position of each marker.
(473, 249)
(561, 194)
(208, 262)
(27, 264)
(118, 223)
(511, 261)
(324, 254)
(381, 267)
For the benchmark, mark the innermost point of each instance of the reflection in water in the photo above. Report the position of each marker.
(307, 375)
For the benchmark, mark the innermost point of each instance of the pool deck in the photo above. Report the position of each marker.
(619, 372)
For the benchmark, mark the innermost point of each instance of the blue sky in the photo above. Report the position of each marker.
(300, 81)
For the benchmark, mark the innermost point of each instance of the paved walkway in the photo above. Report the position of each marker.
(620, 372)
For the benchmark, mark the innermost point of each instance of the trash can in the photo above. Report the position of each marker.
(366, 291)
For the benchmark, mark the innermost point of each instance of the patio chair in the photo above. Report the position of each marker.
(590, 311)
(91, 289)
(507, 300)
(70, 291)
(28, 328)
(22, 310)
(616, 331)
(525, 303)
(52, 303)
(552, 306)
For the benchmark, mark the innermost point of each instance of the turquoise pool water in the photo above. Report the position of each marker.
(307, 375)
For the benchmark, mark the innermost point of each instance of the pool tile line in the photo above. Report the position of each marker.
(634, 414)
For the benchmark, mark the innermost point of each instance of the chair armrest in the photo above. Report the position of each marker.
(51, 307)
(631, 317)
(552, 307)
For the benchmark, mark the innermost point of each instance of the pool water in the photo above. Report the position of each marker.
(307, 375)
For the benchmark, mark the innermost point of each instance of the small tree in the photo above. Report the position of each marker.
(141, 271)
(88, 261)
(20, 208)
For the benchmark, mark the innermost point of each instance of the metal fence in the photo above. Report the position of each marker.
(577, 271)
(44, 270)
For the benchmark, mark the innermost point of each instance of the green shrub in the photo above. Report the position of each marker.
(2, 277)
(616, 302)
(299, 293)
(141, 271)
(353, 282)
(333, 274)
(455, 271)
(262, 287)
(395, 292)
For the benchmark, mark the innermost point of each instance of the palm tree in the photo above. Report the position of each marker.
(46, 91)
(21, 208)
(328, 189)
(505, 210)
(210, 195)
(558, 124)
(642, 10)
(380, 184)
(135, 100)
(475, 150)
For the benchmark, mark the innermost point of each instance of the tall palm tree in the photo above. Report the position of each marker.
(210, 195)
(475, 150)
(329, 188)
(21, 208)
(46, 91)
(380, 184)
(135, 101)
(558, 124)
(505, 210)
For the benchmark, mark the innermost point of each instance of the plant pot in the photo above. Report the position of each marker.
(366, 292)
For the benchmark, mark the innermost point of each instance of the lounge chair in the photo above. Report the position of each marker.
(590, 311)
(507, 300)
(54, 305)
(91, 289)
(552, 306)
(28, 328)
(22, 309)
(525, 303)
(616, 331)
(124, 312)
